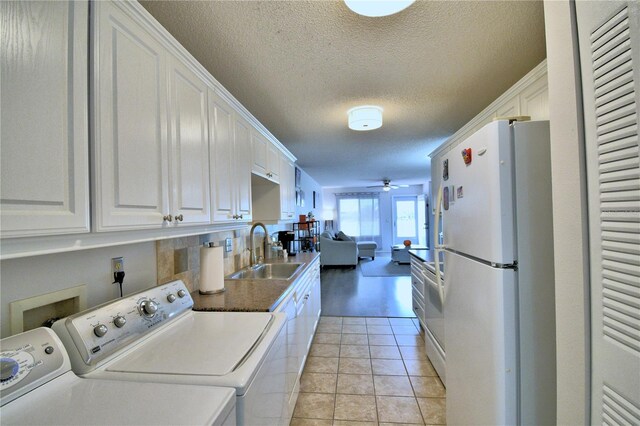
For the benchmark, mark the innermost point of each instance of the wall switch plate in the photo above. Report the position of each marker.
(228, 245)
(117, 264)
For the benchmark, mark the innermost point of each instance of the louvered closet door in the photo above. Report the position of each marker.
(610, 60)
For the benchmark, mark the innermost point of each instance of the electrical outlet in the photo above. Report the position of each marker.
(117, 264)
(228, 245)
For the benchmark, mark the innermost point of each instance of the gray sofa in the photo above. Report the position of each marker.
(337, 253)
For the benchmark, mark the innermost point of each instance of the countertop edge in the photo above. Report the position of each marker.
(424, 255)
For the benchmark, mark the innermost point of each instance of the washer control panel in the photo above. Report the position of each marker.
(101, 331)
(28, 360)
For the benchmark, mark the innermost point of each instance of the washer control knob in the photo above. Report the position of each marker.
(149, 307)
(48, 350)
(9, 367)
(181, 293)
(119, 321)
(171, 298)
(100, 330)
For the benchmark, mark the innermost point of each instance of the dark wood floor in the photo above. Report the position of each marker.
(345, 292)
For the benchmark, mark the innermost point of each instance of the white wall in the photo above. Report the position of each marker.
(330, 212)
(32, 276)
(569, 214)
(308, 186)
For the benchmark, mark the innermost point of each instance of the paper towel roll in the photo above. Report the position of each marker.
(211, 270)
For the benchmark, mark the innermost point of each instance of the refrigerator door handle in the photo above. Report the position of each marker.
(438, 247)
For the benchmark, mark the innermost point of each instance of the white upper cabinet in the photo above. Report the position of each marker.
(259, 154)
(534, 99)
(230, 159)
(189, 153)
(242, 176)
(266, 157)
(130, 119)
(273, 160)
(287, 188)
(222, 159)
(528, 97)
(162, 146)
(151, 147)
(44, 119)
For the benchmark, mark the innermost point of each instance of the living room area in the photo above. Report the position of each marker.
(367, 232)
(391, 216)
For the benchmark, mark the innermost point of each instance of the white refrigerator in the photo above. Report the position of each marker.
(499, 312)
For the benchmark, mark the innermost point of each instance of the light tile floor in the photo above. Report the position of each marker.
(369, 371)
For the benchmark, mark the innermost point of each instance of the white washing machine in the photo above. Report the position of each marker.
(37, 387)
(154, 336)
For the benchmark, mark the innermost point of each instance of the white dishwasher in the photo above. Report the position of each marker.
(434, 320)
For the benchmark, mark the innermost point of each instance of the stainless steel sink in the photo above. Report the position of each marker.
(267, 271)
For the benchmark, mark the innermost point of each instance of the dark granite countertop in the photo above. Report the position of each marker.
(253, 295)
(425, 255)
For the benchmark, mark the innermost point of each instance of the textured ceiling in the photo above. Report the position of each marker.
(298, 66)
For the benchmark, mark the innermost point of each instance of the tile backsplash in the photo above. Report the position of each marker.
(179, 258)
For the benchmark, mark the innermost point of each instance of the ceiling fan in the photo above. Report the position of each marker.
(386, 185)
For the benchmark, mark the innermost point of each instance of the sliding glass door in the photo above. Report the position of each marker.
(405, 219)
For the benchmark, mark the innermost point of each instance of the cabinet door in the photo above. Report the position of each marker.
(315, 299)
(130, 122)
(189, 159)
(312, 307)
(242, 175)
(290, 170)
(222, 159)
(287, 190)
(44, 138)
(534, 100)
(273, 162)
(284, 190)
(259, 154)
(293, 358)
(509, 108)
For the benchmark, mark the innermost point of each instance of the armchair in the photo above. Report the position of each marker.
(334, 253)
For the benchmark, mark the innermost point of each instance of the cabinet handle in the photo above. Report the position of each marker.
(167, 218)
(179, 218)
(240, 217)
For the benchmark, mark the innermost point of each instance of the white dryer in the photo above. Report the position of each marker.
(154, 336)
(37, 387)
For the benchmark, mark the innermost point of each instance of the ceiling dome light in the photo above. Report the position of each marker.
(366, 117)
(375, 8)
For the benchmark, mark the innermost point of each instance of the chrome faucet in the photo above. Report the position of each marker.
(251, 242)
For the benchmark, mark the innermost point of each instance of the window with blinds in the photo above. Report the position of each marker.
(359, 216)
